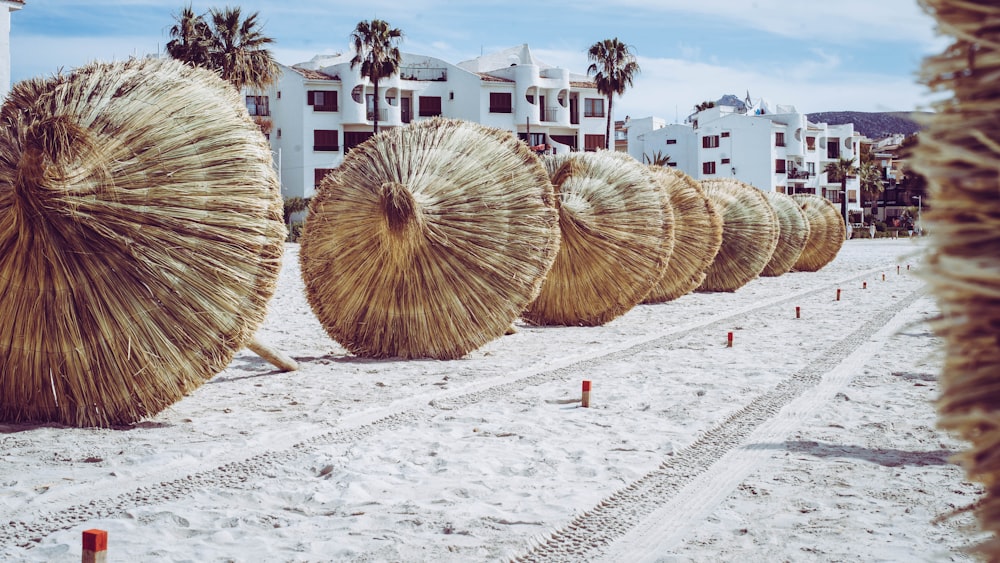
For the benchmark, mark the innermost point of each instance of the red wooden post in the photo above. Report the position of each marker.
(838, 294)
(864, 285)
(95, 546)
(585, 402)
(797, 311)
(729, 340)
(897, 269)
(883, 277)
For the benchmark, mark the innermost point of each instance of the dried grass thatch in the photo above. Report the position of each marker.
(794, 233)
(429, 240)
(140, 239)
(697, 235)
(959, 153)
(617, 236)
(749, 234)
(826, 232)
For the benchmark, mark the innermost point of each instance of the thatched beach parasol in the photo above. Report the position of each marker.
(429, 240)
(749, 234)
(959, 154)
(794, 233)
(826, 232)
(697, 235)
(617, 235)
(140, 239)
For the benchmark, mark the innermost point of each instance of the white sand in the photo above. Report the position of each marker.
(811, 439)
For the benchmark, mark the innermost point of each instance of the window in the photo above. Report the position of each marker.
(429, 106)
(319, 174)
(500, 102)
(780, 189)
(725, 161)
(833, 147)
(326, 140)
(811, 168)
(779, 139)
(258, 105)
(593, 143)
(725, 133)
(322, 100)
(852, 196)
(354, 138)
(811, 143)
(779, 166)
(710, 141)
(671, 141)
(708, 167)
(593, 107)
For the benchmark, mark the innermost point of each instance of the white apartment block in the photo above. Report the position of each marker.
(321, 109)
(6, 7)
(777, 150)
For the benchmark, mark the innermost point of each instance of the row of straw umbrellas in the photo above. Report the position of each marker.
(431, 240)
(141, 234)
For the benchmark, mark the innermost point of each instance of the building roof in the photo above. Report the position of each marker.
(314, 74)
(490, 78)
(582, 84)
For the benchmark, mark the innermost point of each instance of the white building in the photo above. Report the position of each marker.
(6, 7)
(321, 109)
(774, 150)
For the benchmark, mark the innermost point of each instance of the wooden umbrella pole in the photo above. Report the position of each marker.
(279, 359)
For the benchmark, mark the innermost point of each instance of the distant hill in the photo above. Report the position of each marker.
(874, 125)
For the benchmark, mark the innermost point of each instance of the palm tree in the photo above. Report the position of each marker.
(838, 171)
(704, 105)
(190, 38)
(613, 67)
(376, 51)
(239, 52)
(658, 159)
(870, 176)
(233, 47)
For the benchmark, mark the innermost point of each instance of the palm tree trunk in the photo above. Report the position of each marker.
(375, 106)
(607, 130)
(843, 200)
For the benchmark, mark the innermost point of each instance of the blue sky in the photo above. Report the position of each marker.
(861, 55)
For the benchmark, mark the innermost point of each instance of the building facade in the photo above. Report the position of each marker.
(6, 8)
(773, 149)
(321, 109)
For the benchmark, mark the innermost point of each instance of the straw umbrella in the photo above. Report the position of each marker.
(141, 236)
(749, 234)
(794, 233)
(429, 240)
(617, 236)
(826, 232)
(697, 235)
(958, 154)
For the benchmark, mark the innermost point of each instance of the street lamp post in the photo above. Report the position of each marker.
(920, 204)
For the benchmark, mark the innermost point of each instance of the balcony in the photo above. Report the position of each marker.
(548, 113)
(383, 115)
(423, 74)
(796, 174)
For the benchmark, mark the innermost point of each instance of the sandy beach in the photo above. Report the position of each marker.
(810, 439)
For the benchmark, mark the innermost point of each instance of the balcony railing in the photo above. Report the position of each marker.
(423, 74)
(795, 174)
(383, 115)
(548, 113)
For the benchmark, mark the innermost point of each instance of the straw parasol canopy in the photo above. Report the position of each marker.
(617, 235)
(794, 233)
(429, 240)
(749, 234)
(140, 239)
(826, 232)
(697, 235)
(959, 154)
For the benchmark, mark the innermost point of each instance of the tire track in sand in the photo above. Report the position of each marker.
(26, 534)
(683, 484)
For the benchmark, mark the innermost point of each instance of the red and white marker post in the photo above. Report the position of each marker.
(95, 546)
(585, 400)
(798, 311)
(729, 340)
